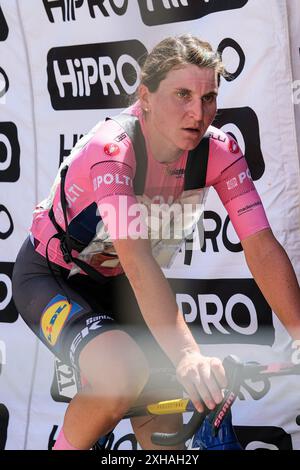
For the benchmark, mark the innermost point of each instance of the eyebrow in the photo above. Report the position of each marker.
(212, 92)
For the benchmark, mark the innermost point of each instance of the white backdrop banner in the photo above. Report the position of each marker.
(65, 65)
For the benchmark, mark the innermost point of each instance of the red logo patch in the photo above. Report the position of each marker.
(233, 146)
(111, 149)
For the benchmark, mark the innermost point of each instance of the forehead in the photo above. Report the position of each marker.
(192, 77)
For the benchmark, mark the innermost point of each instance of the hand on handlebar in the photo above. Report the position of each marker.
(203, 379)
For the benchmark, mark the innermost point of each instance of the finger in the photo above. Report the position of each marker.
(214, 389)
(204, 392)
(194, 396)
(219, 372)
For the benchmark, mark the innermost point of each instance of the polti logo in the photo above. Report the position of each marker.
(8, 312)
(263, 438)
(94, 76)
(67, 10)
(242, 124)
(3, 26)
(225, 311)
(9, 152)
(156, 12)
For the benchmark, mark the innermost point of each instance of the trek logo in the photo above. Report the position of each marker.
(3, 26)
(242, 124)
(8, 312)
(157, 12)
(234, 182)
(68, 8)
(94, 76)
(55, 315)
(225, 310)
(4, 84)
(263, 438)
(9, 153)
(64, 385)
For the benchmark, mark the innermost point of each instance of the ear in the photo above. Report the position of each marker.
(144, 96)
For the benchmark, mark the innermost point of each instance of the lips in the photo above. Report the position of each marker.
(192, 130)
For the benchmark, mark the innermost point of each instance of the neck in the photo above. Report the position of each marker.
(162, 150)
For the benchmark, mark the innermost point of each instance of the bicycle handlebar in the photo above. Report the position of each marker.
(236, 373)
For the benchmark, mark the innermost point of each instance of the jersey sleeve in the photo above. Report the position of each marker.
(232, 180)
(112, 170)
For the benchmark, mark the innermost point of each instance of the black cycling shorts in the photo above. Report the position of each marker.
(64, 328)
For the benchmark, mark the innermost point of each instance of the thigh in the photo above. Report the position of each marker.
(114, 367)
(41, 299)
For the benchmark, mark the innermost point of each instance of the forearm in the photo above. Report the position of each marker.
(275, 276)
(160, 311)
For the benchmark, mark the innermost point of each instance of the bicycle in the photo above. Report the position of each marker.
(211, 429)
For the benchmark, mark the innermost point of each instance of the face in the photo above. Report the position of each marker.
(181, 109)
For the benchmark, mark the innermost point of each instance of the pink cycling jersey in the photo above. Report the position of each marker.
(99, 186)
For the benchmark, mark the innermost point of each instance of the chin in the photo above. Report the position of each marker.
(190, 145)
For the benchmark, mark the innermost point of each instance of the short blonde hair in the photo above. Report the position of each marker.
(175, 52)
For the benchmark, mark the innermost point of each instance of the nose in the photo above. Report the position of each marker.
(196, 109)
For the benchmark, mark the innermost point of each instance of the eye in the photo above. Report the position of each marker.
(184, 94)
(209, 98)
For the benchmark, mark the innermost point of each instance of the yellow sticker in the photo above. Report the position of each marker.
(168, 407)
(53, 320)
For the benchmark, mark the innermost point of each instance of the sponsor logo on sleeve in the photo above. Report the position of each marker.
(233, 146)
(111, 149)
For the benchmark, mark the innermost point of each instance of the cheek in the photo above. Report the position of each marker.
(211, 112)
(165, 113)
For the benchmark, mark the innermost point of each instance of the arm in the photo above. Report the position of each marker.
(155, 299)
(198, 374)
(274, 275)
